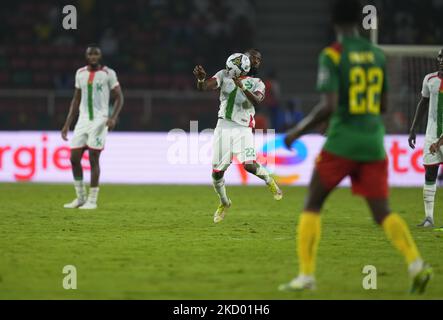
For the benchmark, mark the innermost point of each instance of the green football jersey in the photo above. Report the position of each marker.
(355, 69)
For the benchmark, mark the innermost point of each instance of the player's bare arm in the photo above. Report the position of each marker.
(73, 112)
(255, 98)
(321, 113)
(117, 96)
(204, 84)
(422, 109)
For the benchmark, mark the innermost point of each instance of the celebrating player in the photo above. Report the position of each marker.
(432, 102)
(233, 134)
(353, 86)
(93, 85)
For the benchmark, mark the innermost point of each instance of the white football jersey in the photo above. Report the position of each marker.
(95, 86)
(234, 105)
(433, 89)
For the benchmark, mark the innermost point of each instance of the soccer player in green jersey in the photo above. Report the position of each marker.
(352, 82)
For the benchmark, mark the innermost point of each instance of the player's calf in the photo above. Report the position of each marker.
(259, 171)
(219, 186)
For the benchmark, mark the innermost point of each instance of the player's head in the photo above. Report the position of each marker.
(346, 13)
(440, 60)
(255, 57)
(93, 55)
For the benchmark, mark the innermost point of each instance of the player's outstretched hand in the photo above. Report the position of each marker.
(65, 131)
(411, 139)
(110, 124)
(199, 72)
(291, 136)
(288, 141)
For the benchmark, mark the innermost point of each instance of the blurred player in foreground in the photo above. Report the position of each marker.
(233, 134)
(93, 85)
(353, 85)
(431, 102)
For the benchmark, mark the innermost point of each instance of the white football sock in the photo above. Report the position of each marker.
(415, 267)
(80, 190)
(428, 198)
(93, 195)
(219, 187)
(263, 174)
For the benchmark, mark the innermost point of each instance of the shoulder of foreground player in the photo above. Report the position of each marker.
(430, 76)
(332, 52)
(380, 57)
(107, 70)
(81, 69)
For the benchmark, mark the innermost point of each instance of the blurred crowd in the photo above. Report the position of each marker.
(154, 44)
(410, 22)
(151, 43)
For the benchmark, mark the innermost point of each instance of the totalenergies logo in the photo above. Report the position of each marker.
(284, 158)
(274, 155)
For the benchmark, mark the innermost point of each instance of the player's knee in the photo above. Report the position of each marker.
(217, 175)
(431, 174)
(94, 162)
(75, 160)
(250, 167)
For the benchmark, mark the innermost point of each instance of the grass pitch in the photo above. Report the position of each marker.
(159, 242)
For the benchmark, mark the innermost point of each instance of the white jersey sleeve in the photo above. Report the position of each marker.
(77, 80)
(425, 89)
(219, 78)
(112, 79)
(260, 87)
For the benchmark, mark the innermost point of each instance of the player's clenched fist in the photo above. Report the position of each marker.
(199, 72)
(435, 147)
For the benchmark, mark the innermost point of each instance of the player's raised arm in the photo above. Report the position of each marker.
(73, 112)
(422, 109)
(117, 96)
(321, 113)
(204, 84)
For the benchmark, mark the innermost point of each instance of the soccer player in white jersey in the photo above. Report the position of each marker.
(94, 84)
(233, 134)
(432, 103)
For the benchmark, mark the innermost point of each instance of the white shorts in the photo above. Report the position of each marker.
(430, 159)
(90, 134)
(231, 139)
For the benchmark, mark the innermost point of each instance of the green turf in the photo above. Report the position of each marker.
(159, 242)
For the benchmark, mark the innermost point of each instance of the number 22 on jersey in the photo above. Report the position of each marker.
(365, 90)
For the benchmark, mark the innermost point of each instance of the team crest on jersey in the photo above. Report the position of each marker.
(99, 87)
(248, 85)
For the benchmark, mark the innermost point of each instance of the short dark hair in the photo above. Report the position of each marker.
(346, 12)
(93, 45)
(253, 51)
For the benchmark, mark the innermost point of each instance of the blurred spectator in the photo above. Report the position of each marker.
(272, 100)
(410, 21)
(162, 38)
(108, 43)
(292, 114)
